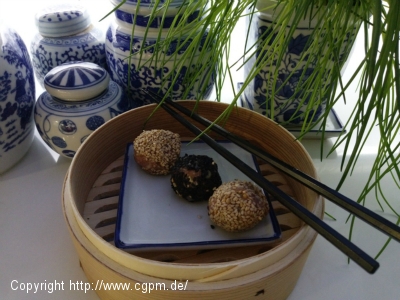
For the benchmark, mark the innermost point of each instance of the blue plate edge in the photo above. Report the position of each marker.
(117, 241)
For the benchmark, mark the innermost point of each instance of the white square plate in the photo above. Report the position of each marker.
(152, 217)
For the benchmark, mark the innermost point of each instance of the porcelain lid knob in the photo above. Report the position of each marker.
(62, 20)
(76, 81)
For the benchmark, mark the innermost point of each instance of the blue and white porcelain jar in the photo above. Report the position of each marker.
(79, 98)
(143, 69)
(66, 34)
(277, 96)
(140, 12)
(17, 99)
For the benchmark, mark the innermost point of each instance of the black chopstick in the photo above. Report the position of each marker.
(343, 244)
(339, 199)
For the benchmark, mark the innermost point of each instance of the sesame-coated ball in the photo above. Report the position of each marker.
(237, 206)
(157, 150)
(195, 177)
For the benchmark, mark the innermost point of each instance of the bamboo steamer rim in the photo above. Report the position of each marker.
(200, 272)
(286, 262)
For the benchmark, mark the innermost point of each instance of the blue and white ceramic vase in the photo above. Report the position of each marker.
(79, 98)
(17, 99)
(133, 11)
(145, 70)
(292, 71)
(65, 34)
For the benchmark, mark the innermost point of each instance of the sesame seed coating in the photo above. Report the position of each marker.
(157, 150)
(237, 206)
(195, 177)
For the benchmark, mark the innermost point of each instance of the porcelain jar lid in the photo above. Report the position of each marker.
(76, 81)
(62, 20)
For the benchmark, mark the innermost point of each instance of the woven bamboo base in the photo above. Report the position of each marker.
(100, 213)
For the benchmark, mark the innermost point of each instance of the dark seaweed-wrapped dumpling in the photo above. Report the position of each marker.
(195, 177)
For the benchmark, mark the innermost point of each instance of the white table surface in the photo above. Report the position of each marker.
(35, 246)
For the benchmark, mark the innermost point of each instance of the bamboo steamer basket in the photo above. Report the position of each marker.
(267, 271)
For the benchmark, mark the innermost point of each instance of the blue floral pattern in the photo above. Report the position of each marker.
(60, 16)
(150, 76)
(94, 122)
(156, 22)
(67, 127)
(292, 72)
(17, 94)
(48, 53)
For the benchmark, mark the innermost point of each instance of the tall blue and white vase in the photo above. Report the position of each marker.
(65, 34)
(163, 71)
(17, 99)
(273, 92)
